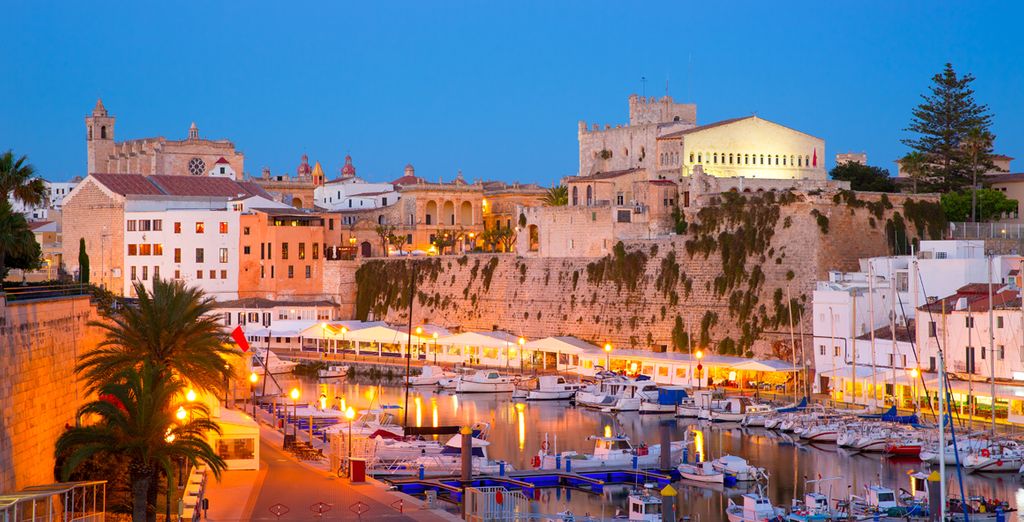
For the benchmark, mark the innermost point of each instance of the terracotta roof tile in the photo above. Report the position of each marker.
(139, 185)
(127, 184)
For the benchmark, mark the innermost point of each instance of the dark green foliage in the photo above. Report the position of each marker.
(620, 267)
(927, 216)
(821, 219)
(680, 337)
(488, 273)
(992, 205)
(668, 273)
(83, 262)
(896, 235)
(680, 220)
(863, 177)
(727, 346)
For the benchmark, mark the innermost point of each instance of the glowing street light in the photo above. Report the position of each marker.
(253, 379)
(181, 413)
(350, 414)
(914, 374)
(190, 396)
(608, 356)
(295, 409)
(700, 367)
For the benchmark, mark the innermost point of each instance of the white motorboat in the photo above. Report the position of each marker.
(332, 372)
(876, 500)
(688, 409)
(486, 381)
(668, 400)
(258, 364)
(702, 472)
(813, 508)
(823, 432)
(617, 394)
(739, 468)
(370, 422)
(964, 447)
(755, 508)
(390, 447)
(609, 452)
(758, 415)
(430, 376)
(736, 409)
(644, 507)
(447, 462)
(547, 388)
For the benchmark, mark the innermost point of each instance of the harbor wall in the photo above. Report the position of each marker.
(40, 341)
(722, 285)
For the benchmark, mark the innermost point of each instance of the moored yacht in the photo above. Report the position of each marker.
(486, 381)
(546, 388)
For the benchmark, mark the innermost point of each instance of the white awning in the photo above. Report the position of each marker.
(495, 339)
(568, 344)
(771, 365)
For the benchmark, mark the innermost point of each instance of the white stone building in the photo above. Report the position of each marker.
(353, 193)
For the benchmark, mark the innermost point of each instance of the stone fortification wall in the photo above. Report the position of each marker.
(721, 285)
(39, 344)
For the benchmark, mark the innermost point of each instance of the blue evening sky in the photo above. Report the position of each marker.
(493, 89)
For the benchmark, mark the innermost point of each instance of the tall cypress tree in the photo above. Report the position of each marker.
(83, 262)
(942, 122)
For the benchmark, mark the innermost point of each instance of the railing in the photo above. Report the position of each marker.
(961, 230)
(26, 293)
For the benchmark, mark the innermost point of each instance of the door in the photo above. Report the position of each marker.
(365, 249)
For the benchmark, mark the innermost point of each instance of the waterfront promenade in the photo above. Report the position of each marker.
(299, 486)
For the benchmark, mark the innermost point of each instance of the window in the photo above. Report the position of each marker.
(223, 227)
(144, 225)
(200, 227)
(291, 272)
(145, 273)
(133, 249)
(145, 249)
(158, 225)
(245, 231)
(199, 255)
(177, 255)
(284, 250)
(223, 255)
(316, 250)
(931, 329)
(223, 274)
(1000, 352)
(999, 321)
(177, 274)
(134, 276)
(156, 272)
(245, 250)
(619, 199)
(131, 225)
(263, 272)
(330, 224)
(309, 271)
(177, 227)
(158, 249)
(969, 322)
(302, 251)
(837, 354)
(272, 271)
(821, 350)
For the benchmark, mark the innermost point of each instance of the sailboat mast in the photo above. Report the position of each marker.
(853, 339)
(871, 312)
(792, 336)
(892, 324)
(991, 346)
(942, 417)
(408, 344)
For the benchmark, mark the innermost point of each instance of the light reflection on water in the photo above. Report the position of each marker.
(517, 432)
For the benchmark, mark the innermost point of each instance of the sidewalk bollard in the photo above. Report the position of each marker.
(568, 465)
(501, 468)
(423, 472)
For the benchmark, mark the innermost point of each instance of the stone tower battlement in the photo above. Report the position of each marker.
(644, 110)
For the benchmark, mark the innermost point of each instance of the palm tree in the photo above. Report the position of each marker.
(16, 239)
(171, 328)
(977, 144)
(915, 164)
(137, 419)
(556, 196)
(18, 180)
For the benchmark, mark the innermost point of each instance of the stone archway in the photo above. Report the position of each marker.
(297, 202)
(448, 214)
(365, 249)
(430, 218)
(466, 214)
(534, 238)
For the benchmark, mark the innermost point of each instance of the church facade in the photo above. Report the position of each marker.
(192, 156)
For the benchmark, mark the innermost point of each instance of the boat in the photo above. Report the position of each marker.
(688, 408)
(758, 415)
(430, 376)
(736, 409)
(275, 364)
(813, 508)
(609, 452)
(486, 381)
(739, 468)
(547, 388)
(823, 432)
(644, 507)
(447, 462)
(701, 472)
(618, 394)
(904, 445)
(996, 458)
(369, 422)
(668, 400)
(877, 500)
(930, 453)
(332, 372)
(389, 447)
(755, 508)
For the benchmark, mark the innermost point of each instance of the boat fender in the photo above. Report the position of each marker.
(985, 453)
(535, 462)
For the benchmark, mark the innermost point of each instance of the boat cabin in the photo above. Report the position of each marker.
(881, 497)
(607, 445)
(555, 382)
(644, 507)
(757, 507)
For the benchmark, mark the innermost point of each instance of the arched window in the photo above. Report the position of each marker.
(776, 159)
(730, 158)
(590, 195)
(783, 161)
(691, 157)
(698, 158)
(90, 132)
(103, 132)
(746, 159)
(575, 196)
(762, 159)
(799, 161)
(714, 158)
(625, 152)
(791, 160)
(807, 161)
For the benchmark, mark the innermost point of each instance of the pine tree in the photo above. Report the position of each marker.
(942, 122)
(83, 262)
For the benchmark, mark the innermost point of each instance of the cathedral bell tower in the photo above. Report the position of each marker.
(99, 144)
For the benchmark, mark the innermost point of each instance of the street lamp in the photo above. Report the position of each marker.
(608, 357)
(344, 330)
(181, 414)
(253, 378)
(350, 414)
(323, 402)
(521, 342)
(914, 373)
(190, 396)
(700, 367)
(295, 410)
(419, 340)
(434, 335)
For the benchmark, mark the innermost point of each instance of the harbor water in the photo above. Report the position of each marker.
(518, 430)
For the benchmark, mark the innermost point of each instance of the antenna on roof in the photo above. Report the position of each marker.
(643, 88)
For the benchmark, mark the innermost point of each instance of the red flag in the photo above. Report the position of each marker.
(814, 160)
(239, 336)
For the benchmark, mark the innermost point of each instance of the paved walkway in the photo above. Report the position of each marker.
(283, 480)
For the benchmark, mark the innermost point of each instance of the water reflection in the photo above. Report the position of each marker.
(517, 432)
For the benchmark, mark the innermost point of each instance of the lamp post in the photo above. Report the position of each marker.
(434, 335)
(344, 331)
(914, 373)
(323, 338)
(419, 340)
(700, 367)
(608, 357)
(181, 414)
(295, 410)
(350, 414)
(253, 378)
(521, 342)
